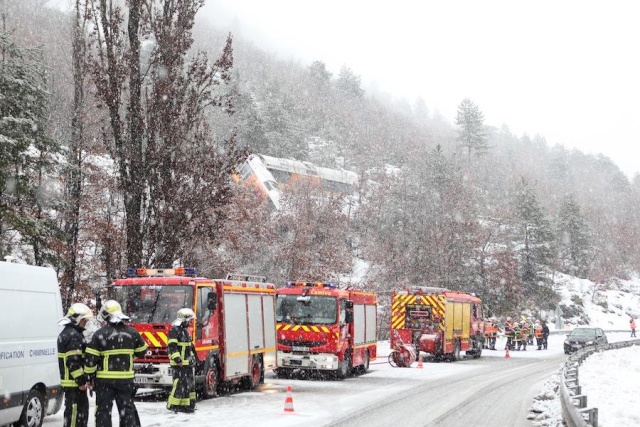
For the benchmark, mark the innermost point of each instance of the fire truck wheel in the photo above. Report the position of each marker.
(250, 382)
(365, 365)
(456, 352)
(211, 379)
(478, 352)
(345, 367)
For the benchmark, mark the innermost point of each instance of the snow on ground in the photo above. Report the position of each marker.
(612, 390)
(608, 307)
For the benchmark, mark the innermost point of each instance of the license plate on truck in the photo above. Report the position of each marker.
(298, 348)
(141, 380)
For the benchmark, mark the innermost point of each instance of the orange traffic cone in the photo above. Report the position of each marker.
(288, 402)
(420, 362)
(507, 353)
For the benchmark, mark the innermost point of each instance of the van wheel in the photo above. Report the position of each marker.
(33, 411)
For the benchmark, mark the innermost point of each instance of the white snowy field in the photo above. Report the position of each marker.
(609, 379)
(317, 403)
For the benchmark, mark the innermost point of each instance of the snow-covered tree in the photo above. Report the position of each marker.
(471, 132)
(534, 241)
(27, 157)
(574, 246)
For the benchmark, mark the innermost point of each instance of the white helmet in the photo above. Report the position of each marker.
(112, 312)
(75, 314)
(185, 315)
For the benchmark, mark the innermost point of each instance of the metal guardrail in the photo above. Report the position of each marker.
(575, 411)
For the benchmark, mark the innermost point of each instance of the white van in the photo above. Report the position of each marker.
(30, 308)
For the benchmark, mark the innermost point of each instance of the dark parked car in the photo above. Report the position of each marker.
(582, 337)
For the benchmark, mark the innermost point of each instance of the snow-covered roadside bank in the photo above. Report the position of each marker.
(609, 379)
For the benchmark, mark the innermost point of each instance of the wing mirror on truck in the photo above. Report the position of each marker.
(212, 301)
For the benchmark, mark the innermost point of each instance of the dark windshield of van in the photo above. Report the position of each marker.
(152, 303)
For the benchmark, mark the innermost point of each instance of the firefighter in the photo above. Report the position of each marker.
(537, 332)
(110, 358)
(530, 336)
(181, 357)
(524, 335)
(74, 380)
(545, 334)
(491, 333)
(517, 336)
(509, 333)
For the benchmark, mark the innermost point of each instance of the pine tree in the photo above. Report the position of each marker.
(534, 241)
(27, 155)
(471, 132)
(574, 248)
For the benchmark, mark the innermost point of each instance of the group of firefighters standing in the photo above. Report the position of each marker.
(105, 364)
(519, 334)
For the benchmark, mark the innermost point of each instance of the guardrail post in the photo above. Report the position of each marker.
(577, 390)
(592, 415)
(582, 400)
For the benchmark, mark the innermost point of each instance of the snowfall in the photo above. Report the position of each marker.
(611, 390)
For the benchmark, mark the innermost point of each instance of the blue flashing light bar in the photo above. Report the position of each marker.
(292, 284)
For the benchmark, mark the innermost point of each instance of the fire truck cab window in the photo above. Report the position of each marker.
(203, 314)
(343, 311)
(309, 310)
(152, 303)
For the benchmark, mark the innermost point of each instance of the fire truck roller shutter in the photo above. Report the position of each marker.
(268, 306)
(359, 324)
(236, 333)
(372, 324)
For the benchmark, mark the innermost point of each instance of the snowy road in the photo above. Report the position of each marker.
(492, 392)
(489, 391)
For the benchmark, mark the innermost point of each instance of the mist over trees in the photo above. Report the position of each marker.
(121, 124)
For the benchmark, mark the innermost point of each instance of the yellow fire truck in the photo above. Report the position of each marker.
(437, 321)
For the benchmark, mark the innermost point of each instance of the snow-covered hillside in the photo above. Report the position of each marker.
(607, 306)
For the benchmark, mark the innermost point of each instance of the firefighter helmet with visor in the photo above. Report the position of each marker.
(111, 311)
(185, 315)
(76, 313)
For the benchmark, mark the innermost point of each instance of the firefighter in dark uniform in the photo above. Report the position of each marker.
(517, 336)
(181, 356)
(110, 358)
(73, 378)
(508, 332)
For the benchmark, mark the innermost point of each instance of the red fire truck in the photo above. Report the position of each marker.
(324, 329)
(436, 321)
(233, 331)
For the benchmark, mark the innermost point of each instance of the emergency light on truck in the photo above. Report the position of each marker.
(159, 272)
(291, 284)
